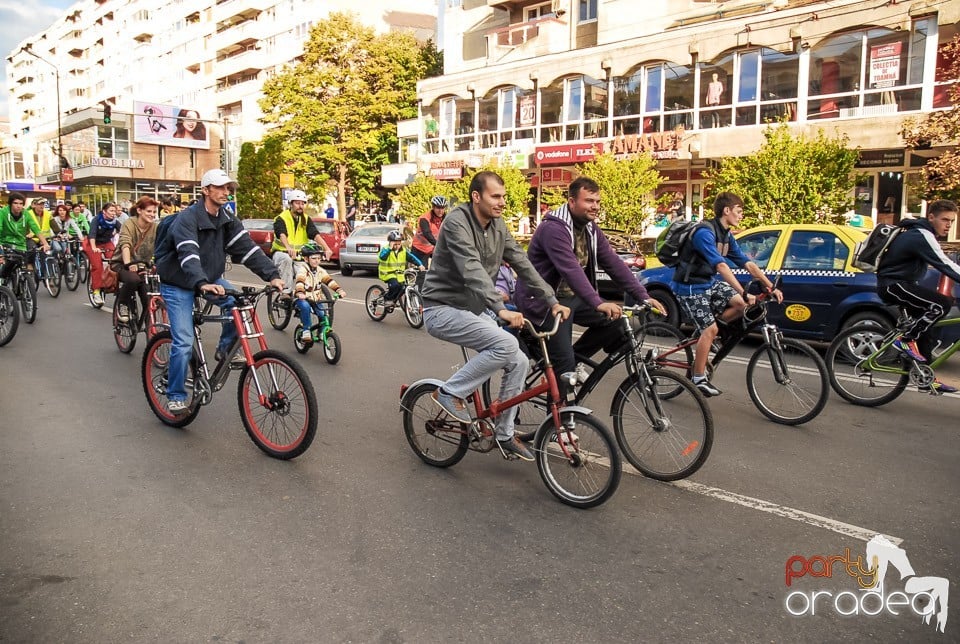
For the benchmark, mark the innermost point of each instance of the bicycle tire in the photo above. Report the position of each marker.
(373, 303)
(278, 312)
(287, 428)
(298, 343)
(413, 309)
(28, 299)
(666, 437)
(332, 348)
(800, 399)
(9, 315)
(71, 274)
(125, 333)
(153, 375)
(90, 295)
(591, 474)
(84, 267)
(434, 437)
(54, 280)
(845, 358)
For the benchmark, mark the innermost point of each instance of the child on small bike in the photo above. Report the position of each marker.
(393, 262)
(307, 287)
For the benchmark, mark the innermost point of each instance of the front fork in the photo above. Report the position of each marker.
(772, 338)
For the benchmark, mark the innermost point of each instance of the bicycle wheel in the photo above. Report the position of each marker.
(153, 375)
(53, 280)
(373, 301)
(28, 299)
(413, 309)
(591, 473)
(435, 437)
(71, 274)
(664, 427)
(125, 333)
(158, 320)
(853, 380)
(301, 346)
(83, 264)
(278, 311)
(790, 386)
(332, 348)
(9, 315)
(283, 420)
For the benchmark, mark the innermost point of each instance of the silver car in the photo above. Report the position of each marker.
(359, 251)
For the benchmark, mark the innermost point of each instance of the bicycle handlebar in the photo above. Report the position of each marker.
(528, 325)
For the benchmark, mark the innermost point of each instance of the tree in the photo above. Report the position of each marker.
(517, 192)
(258, 173)
(415, 197)
(940, 175)
(790, 179)
(626, 188)
(336, 110)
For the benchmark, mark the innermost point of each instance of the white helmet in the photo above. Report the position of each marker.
(297, 195)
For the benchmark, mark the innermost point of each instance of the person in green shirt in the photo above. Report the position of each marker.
(15, 222)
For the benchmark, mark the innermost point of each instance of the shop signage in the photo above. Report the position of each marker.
(528, 111)
(67, 174)
(135, 164)
(447, 170)
(567, 154)
(659, 145)
(885, 64)
(880, 158)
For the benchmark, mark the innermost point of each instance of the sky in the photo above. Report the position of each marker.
(21, 19)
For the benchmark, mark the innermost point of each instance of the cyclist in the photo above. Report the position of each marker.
(191, 257)
(310, 276)
(459, 290)
(137, 239)
(63, 226)
(567, 249)
(707, 289)
(291, 230)
(103, 227)
(15, 223)
(902, 266)
(392, 262)
(78, 215)
(428, 227)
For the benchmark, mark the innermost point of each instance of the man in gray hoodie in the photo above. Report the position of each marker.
(459, 296)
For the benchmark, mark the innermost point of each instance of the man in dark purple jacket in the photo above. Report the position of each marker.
(566, 249)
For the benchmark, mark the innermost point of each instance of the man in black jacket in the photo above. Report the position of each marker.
(900, 270)
(191, 255)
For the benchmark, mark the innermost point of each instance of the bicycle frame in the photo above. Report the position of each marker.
(872, 364)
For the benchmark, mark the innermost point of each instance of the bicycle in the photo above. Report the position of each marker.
(797, 391)
(105, 289)
(277, 401)
(322, 333)
(410, 300)
(661, 421)
(576, 456)
(151, 321)
(9, 315)
(866, 370)
(69, 264)
(280, 305)
(22, 284)
(46, 270)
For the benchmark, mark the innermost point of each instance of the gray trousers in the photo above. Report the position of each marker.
(496, 349)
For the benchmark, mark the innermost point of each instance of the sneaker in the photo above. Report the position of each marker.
(706, 388)
(97, 299)
(123, 313)
(908, 348)
(236, 362)
(582, 374)
(513, 446)
(456, 407)
(306, 336)
(940, 388)
(177, 407)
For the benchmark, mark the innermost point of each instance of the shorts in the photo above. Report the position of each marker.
(704, 307)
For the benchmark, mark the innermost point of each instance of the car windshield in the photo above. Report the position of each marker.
(258, 224)
(373, 231)
(325, 226)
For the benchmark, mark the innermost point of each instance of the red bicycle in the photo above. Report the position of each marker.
(151, 321)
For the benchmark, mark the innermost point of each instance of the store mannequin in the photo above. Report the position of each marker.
(714, 92)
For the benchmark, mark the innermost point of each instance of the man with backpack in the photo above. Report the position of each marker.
(900, 268)
(707, 289)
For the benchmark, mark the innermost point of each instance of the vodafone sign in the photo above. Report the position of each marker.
(567, 154)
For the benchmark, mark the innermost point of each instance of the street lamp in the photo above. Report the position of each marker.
(27, 49)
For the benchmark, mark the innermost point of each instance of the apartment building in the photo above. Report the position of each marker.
(157, 64)
(544, 85)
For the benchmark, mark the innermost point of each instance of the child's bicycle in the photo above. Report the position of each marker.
(410, 300)
(576, 455)
(321, 333)
(866, 370)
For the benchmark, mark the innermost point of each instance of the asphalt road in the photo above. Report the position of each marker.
(114, 527)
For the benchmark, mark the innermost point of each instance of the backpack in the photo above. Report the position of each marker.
(868, 253)
(670, 242)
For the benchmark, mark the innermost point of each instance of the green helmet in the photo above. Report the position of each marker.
(310, 248)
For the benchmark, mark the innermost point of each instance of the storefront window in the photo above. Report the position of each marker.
(594, 107)
(626, 94)
(431, 128)
(487, 115)
(678, 95)
(945, 62)
(715, 91)
(654, 89)
(551, 110)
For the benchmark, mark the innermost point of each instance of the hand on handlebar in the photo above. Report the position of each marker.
(657, 307)
(213, 289)
(611, 310)
(514, 319)
(277, 284)
(777, 294)
(561, 310)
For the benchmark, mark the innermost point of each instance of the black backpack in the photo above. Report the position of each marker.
(671, 242)
(868, 254)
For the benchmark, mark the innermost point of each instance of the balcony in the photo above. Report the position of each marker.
(233, 11)
(246, 63)
(547, 35)
(236, 37)
(235, 89)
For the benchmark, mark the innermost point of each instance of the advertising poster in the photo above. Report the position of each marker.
(171, 125)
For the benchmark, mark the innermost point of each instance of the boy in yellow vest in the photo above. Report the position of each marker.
(393, 261)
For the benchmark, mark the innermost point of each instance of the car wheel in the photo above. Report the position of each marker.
(346, 271)
(868, 317)
(669, 302)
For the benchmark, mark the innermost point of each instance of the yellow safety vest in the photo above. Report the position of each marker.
(296, 235)
(43, 222)
(393, 266)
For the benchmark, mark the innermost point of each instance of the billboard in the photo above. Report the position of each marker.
(171, 125)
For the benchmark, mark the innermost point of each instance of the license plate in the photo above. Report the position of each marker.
(368, 248)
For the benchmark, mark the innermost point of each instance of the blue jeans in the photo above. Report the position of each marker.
(304, 308)
(179, 303)
(496, 349)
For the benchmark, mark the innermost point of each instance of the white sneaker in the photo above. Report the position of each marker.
(306, 336)
(582, 374)
(123, 313)
(97, 299)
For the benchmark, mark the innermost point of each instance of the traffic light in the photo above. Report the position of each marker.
(107, 109)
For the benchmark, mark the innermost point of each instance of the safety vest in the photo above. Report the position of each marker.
(43, 222)
(393, 266)
(420, 242)
(296, 235)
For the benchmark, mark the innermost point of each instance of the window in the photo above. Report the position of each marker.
(537, 11)
(113, 142)
(160, 154)
(758, 247)
(193, 158)
(588, 10)
(815, 250)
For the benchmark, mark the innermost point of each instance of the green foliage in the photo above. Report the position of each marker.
(554, 197)
(790, 180)
(626, 189)
(517, 192)
(336, 110)
(258, 173)
(432, 60)
(415, 197)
